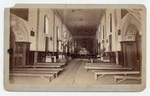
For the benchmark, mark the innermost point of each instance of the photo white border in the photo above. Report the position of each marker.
(9, 3)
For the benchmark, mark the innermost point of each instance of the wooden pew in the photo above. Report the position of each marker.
(51, 63)
(37, 69)
(107, 67)
(55, 72)
(100, 74)
(96, 66)
(50, 76)
(61, 64)
(119, 79)
(102, 63)
(41, 66)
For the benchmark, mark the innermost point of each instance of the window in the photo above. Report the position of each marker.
(46, 25)
(58, 33)
(110, 42)
(103, 31)
(110, 22)
(58, 38)
(107, 41)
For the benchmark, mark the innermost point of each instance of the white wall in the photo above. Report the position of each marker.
(118, 26)
(32, 22)
(113, 33)
(58, 24)
(54, 22)
(42, 35)
(51, 29)
(101, 28)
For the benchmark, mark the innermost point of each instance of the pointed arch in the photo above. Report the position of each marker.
(130, 28)
(19, 28)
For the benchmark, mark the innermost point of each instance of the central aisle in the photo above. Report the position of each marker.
(68, 75)
(75, 73)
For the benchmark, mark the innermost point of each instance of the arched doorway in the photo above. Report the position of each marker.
(131, 47)
(19, 42)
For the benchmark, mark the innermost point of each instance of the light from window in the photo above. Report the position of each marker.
(103, 31)
(110, 22)
(46, 25)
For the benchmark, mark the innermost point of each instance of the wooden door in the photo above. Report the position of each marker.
(46, 43)
(21, 53)
(129, 54)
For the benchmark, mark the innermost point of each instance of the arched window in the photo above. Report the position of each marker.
(57, 38)
(58, 33)
(110, 22)
(46, 25)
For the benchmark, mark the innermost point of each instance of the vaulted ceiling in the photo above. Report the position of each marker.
(81, 22)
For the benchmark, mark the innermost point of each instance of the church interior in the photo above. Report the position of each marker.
(75, 45)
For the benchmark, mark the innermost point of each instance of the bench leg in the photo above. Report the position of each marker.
(44, 77)
(100, 76)
(62, 66)
(87, 70)
(97, 77)
(56, 75)
(115, 80)
(50, 79)
(121, 80)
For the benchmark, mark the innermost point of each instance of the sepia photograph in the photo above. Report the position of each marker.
(75, 48)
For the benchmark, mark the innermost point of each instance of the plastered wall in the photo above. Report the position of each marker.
(32, 22)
